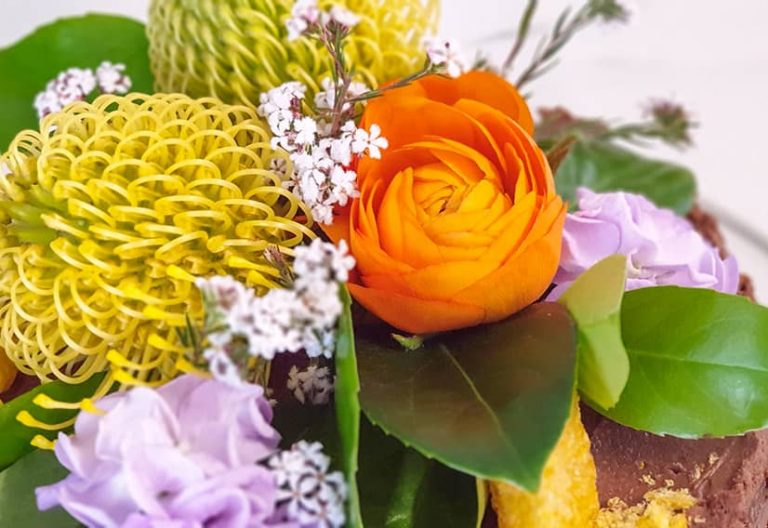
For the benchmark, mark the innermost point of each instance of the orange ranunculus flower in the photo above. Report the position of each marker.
(459, 223)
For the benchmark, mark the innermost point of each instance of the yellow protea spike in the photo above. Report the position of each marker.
(567, 497)
(129, 192)
(41, 442)
(237, 49)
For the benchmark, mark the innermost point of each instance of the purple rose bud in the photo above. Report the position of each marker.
(661, 247)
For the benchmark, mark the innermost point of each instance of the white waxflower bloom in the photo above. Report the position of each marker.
(74, 84)
(280, 167)
(340, 149)
(344, 16)
(224, 291)
(446, 54)
(322, 262)
(344, 185)
(303, 14)
(47, 102)
(78, 80)
(311, 495)
(372, 142)
(313, 385)
(303, 317)
(222, 367)
(112, 79)
(306, 130)
(282, 97)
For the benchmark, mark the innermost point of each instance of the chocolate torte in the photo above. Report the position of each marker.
(726, 476)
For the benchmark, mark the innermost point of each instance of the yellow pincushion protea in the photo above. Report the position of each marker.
(109, 215)
(237, 49)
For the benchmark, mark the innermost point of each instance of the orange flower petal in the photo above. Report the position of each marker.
(485, 87)
(416, 316)
(519, 282)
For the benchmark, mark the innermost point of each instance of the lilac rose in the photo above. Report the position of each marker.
(661, 247)
(182, 456)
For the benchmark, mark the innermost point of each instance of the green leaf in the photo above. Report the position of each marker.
(400, 488)
(604, 167)
(699, 363)
(16, 437)
(83, 42)
(490, 401)
(348, 406)
(18, 507)
(594, 301)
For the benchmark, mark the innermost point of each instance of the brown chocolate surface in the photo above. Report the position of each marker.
(727, 476)
(707, 226)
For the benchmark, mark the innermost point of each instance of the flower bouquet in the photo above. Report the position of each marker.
(267, 263)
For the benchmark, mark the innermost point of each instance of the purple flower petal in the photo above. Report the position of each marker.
(662, 248)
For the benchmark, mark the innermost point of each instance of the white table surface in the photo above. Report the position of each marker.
(711, 56)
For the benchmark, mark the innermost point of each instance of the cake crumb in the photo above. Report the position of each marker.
(669, 483)
(648, 479)
(713, 458)
(661, 508)
(697, 472)
(641, 464)
(699, 520)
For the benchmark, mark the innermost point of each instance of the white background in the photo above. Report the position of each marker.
(710, 55)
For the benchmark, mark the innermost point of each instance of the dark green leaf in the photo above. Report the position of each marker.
(603, 167)
(594, 301)
(348, 406)
(490, 401)
(400, 488)
(83, 42)
(699, 363)
(15, 438)
(18, 508)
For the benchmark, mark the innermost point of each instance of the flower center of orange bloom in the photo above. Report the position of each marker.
(438, 190)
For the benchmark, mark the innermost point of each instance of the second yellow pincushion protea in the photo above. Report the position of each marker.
(108, 215)
(237, 49)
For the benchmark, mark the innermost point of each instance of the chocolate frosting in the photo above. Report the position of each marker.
(727, 476)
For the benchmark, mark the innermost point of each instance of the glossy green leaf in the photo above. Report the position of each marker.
(83, 42)
(15, 438)
(400, 488)
(490, 401)
(604, 167)
(18, 508)
(698, 363)
(594, 301)
(348, 406)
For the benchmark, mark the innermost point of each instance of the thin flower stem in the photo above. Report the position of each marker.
(372, 94)
(522, 35)
(566, 27)
(562, 33)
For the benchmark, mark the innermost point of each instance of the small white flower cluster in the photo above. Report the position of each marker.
(75, 84)
(284, 320)
(313, 385)
(112, 78)
(446, 55)
(321, 176)
(312, 496)
(306, 14)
